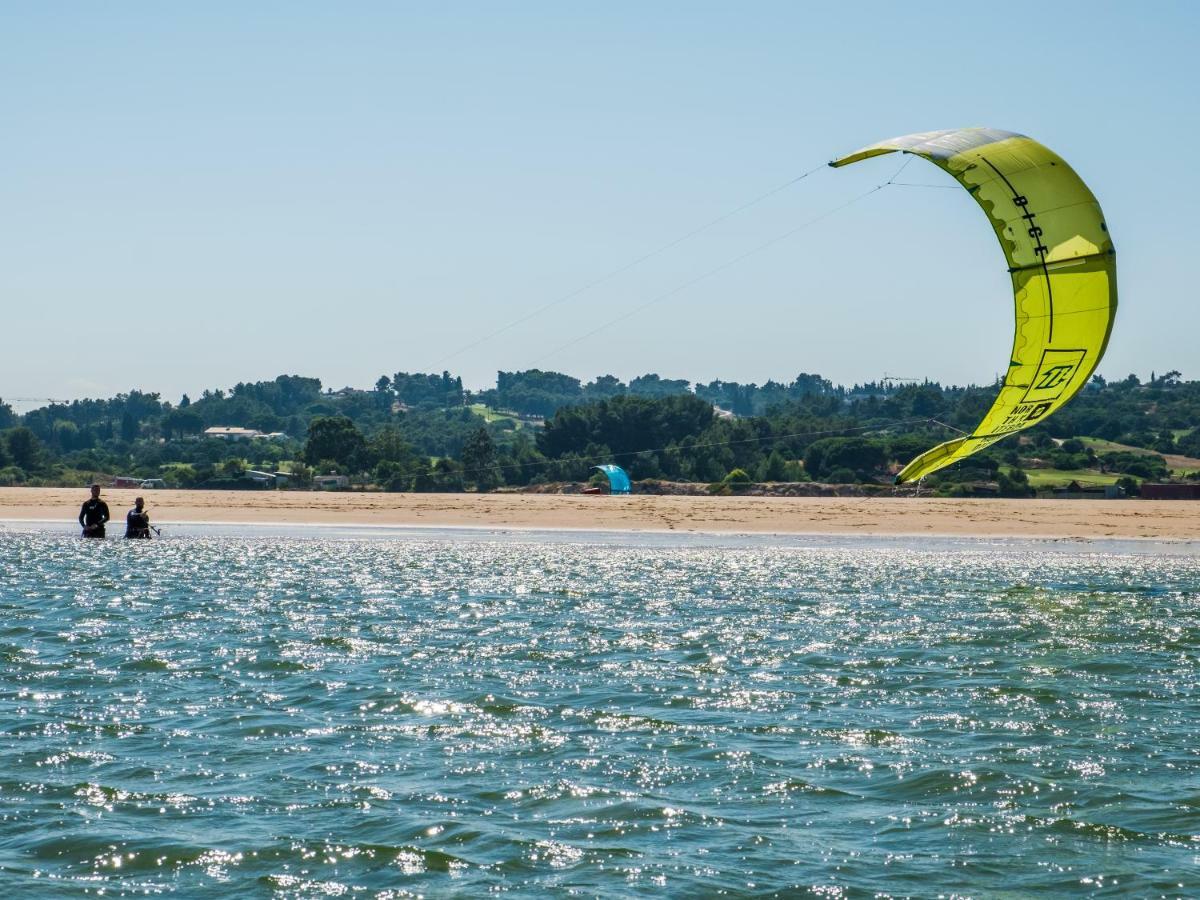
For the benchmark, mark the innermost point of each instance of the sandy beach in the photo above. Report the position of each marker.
(1171, 520)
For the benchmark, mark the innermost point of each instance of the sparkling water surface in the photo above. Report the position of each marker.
(612, 716)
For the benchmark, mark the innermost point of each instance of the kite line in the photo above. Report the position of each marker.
(728, 264)
(634, 263)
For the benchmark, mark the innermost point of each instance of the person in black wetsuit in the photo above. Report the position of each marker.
(93, 514)
(137, 520)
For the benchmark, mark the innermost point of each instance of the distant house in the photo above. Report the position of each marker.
(231, 433)
(331, 482)
(262, 479)
(1077, 491)
(125, 481)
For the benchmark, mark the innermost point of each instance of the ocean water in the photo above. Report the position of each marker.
(338, 715)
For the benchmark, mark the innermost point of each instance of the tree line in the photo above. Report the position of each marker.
(421, 431)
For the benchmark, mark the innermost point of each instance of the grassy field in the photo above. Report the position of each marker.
(1042, 479)
(1102, 446)
(490, 415)
(1180, 465)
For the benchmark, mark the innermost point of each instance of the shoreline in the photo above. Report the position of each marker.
(623, 538)
(888, 516)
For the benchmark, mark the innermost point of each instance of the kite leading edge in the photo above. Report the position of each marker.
(1063, 267)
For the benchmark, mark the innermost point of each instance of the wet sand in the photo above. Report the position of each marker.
(1080, 519)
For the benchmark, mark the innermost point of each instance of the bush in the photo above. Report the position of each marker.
(1061, 459)
(842, 475)
(1014, 484)
(829, 455)
(393, 476)
(178, 475)
(443, 477)
(1189, 444)
(736, 480)
(12, 475)
(773, 468)
(1129, 485)
(233, 468)
(1140, 464)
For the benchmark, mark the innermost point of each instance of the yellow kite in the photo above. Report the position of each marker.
(1063, 266)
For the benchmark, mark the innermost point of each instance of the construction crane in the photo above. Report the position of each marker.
(31, 400)
(896, 379)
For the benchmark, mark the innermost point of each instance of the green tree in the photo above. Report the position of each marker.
(393, 476)
(24, 448)
(334, 438)
(653, 386)
(389, 445)
(429, 391)
(860, 455)
(383, 394)
(536, 392)
(737, 480)
(1129, 485)
(604, 387)
(182, 421)
(626, 425)
(1014, 484)
(773, 468)
(301, 474)
(447, 475)
(233, 468)
(444, 476)
(1189, 444)
(129, 427)
(479, 460)
(66, 435)
(396, 463)
(1142, 465)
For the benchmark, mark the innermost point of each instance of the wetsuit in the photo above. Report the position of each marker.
(92, 516)
(137, 524)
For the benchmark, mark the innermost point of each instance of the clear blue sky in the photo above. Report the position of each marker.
(195, 195)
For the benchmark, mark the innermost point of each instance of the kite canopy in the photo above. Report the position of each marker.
(618, 481)
(1063, 267)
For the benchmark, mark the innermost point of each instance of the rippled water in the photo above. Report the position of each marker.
(233, 716)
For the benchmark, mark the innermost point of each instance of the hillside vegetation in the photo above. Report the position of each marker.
(425, 432)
